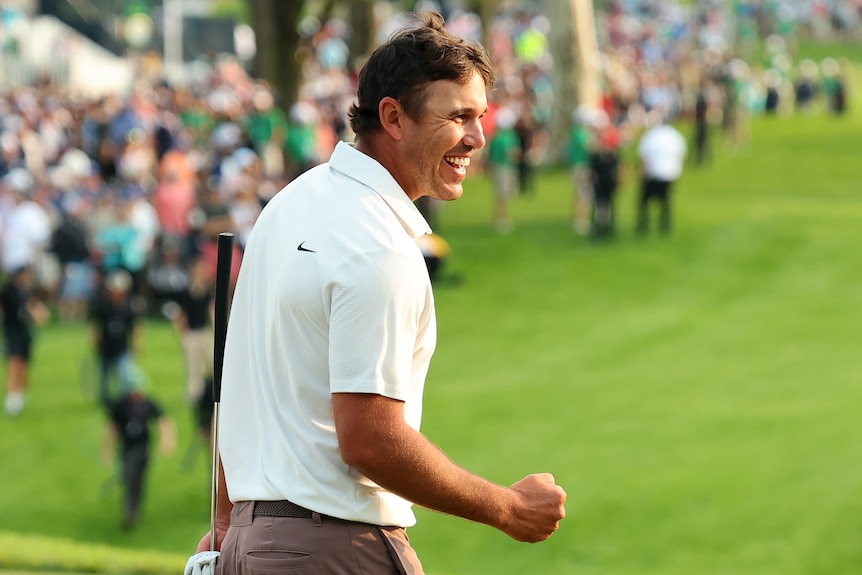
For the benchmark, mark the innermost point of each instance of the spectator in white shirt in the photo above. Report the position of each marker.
(662, 150)
(26, 226)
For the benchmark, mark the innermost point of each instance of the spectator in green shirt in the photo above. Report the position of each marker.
(504, 151)
(580, 144)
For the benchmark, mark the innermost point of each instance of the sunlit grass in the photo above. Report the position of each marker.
(696, 395)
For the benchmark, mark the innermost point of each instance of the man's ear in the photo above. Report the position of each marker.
(391, 116)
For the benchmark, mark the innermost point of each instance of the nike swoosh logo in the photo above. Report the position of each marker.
(302, 249)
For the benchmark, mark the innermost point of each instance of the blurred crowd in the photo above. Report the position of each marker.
(707, 67)
(144, 182)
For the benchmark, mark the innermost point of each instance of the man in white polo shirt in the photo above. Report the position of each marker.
(662, 150)
(332, 329)
(26, 227)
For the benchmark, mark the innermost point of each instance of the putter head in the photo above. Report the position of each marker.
(202, 563)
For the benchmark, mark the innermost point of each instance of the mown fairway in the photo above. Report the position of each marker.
(698, 396)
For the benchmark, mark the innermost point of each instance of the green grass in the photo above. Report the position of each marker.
(697, 395)
(55, 483)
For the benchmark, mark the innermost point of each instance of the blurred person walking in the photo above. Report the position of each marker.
(661, 150)
(20, 312)
(130, 417)
(331, 333)
(115, 333)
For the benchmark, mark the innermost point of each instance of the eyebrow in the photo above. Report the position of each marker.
(461, 111)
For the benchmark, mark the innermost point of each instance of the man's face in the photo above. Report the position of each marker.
(437, 147)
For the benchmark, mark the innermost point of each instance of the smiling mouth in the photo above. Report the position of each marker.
(457, 161)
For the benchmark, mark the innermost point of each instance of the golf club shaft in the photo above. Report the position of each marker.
(222, 297)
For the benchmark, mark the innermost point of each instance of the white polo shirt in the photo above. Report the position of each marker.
(662, 150)
(26, 234)
(333, 295)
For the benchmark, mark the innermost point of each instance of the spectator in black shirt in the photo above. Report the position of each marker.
(114, 324)
(129, 419)
(605, 173)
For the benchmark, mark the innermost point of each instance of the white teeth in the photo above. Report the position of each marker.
(458, 161)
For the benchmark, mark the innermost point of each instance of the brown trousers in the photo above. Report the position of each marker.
(316, 546)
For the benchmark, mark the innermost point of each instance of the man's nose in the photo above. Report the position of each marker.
(475, 135)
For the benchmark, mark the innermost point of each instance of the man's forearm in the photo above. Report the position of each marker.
(402, 460)
(419, 471)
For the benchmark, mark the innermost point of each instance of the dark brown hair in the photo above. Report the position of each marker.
(407, 63)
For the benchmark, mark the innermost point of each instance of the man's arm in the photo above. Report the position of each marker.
(375, 439)
(223, 509)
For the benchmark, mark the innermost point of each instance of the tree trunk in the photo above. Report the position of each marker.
(586, 53)
(275, 24)
(561, 41)
(362, 40)
(574, 49)
(487, 13)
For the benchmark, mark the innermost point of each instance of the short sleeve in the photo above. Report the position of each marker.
(376, 311)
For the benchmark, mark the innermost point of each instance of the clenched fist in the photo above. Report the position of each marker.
(540, 507)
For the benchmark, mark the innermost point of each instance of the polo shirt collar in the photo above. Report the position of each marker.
(369, 172)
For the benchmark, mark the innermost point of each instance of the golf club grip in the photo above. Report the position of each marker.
(222, 297)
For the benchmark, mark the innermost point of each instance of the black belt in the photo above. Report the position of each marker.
(282, 508)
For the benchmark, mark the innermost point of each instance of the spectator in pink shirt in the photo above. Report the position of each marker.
(174, 197)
